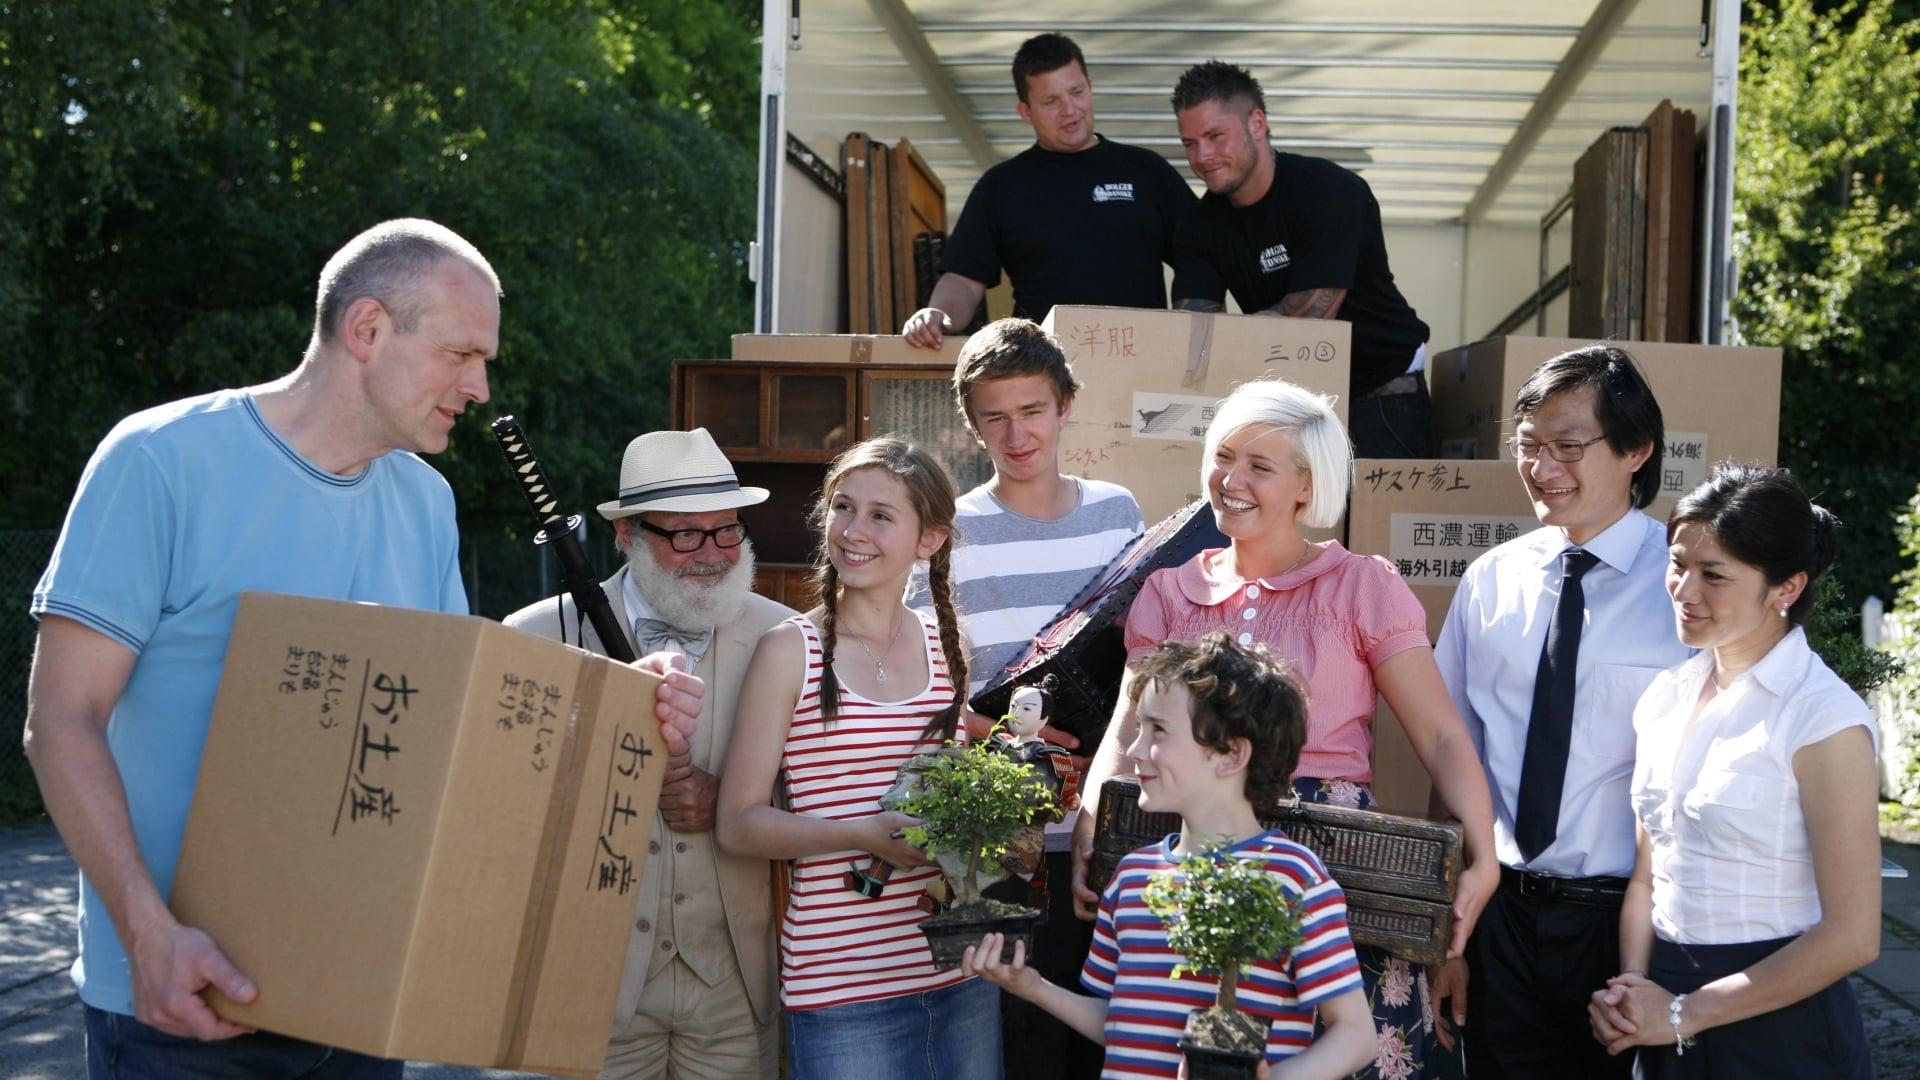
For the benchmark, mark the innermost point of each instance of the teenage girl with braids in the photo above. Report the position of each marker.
(834, 703)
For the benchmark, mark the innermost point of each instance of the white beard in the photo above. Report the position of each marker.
(690, 601)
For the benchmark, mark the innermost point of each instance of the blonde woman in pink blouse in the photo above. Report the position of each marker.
(1278, 459)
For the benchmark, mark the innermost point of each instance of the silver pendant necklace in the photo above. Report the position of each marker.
(879, 667)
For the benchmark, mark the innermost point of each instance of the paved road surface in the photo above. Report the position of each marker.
(41, 1023)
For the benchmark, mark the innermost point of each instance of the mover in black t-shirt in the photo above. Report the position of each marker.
(1073, 219)
(1298, 236)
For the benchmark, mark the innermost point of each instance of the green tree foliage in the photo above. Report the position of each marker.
(1833, 632)
(1222, 912)
(174, 175)
(1829, 255)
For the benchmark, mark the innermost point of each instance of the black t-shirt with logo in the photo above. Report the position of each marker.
(1317, 227)
(1091, 227)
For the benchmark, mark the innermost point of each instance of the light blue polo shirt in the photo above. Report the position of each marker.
(181, 509)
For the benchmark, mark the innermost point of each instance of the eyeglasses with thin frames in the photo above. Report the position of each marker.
(1565, 451)
(688, 541)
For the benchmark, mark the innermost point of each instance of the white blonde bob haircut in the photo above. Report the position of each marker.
(1320, 443)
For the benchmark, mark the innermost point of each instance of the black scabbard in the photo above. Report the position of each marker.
(561, 532)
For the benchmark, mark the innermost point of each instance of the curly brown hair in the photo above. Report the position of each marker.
(1237, 693)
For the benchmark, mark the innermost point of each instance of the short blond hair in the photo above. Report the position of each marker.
(1320, 443)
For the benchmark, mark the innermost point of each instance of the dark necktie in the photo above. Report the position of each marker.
(1536, 819)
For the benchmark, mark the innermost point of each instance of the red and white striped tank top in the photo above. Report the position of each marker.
(838, 947)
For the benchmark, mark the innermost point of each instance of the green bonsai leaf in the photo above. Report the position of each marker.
(972, 801)
(1222, 913)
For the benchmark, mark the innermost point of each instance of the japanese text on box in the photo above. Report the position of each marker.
(621, 824)
(1684, 466)
(526, 704)
(1098, 342)
(312, 673)
(1436, 548)
(368, 793)
(1423, 476)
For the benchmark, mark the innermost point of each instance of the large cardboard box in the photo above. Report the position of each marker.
(844, 349)
(422, 835)
(1717, 402)
(1432, 519)
(1150, 381)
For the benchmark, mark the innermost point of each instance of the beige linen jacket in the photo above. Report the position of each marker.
(746, 891)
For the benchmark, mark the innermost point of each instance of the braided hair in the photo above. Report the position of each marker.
(930, 494)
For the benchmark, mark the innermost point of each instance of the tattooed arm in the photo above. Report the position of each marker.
(1310, 304)
(1199, 305)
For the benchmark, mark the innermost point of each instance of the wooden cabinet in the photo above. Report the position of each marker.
(782, 423)
(760, 413)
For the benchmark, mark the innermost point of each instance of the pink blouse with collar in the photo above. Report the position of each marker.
(1336, 618)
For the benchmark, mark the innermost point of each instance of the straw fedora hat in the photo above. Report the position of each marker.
(679, 471)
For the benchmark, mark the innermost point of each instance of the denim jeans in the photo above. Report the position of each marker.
(947, 1034)
(1396, 426)
(122, 1048)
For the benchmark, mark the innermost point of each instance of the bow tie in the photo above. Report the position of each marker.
(658, 635)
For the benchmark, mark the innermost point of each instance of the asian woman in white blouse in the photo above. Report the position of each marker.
(1756, 890)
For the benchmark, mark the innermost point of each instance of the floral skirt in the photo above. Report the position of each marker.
(1396, 988)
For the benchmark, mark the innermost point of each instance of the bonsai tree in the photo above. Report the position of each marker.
(1221, 914)
(973, 802)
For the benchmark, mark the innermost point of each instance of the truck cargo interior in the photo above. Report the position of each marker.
(1468, 120)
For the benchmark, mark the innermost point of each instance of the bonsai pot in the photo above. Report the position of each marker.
(1212, 1063)
(950, 933)
(1223, 1044)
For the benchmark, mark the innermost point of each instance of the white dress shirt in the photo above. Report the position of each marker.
(1489, 651)
(1732, 861)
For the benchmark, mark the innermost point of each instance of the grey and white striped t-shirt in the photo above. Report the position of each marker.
(1012, 574)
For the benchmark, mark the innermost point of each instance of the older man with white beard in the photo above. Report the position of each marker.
(697, 998)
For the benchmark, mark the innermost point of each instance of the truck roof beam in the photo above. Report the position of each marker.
(1581, 57)
(907, 37)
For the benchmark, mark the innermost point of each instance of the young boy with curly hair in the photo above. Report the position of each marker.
(1221, 727)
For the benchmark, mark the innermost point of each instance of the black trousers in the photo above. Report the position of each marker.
(1034, 1044)
(1533, 964)
(1395, 426)
(1816, 1036)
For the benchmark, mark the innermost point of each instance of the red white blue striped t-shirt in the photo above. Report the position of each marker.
(1131, 965)
(837, 946)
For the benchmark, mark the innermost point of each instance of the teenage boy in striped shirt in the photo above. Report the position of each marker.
(1026, 543)
(1220, 726)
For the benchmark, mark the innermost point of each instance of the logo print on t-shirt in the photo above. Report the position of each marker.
(1113, 193)
(1274, 258)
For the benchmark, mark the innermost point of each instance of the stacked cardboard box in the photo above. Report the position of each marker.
(1717, 402)
(1432, 519)
(1150, 381)
(422, 835)
(888, 349)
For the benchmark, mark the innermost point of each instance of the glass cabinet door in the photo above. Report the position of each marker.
(727, 404)
(811, 412)
(919, 405)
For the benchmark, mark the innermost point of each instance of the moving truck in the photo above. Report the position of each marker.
(1466, 118)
